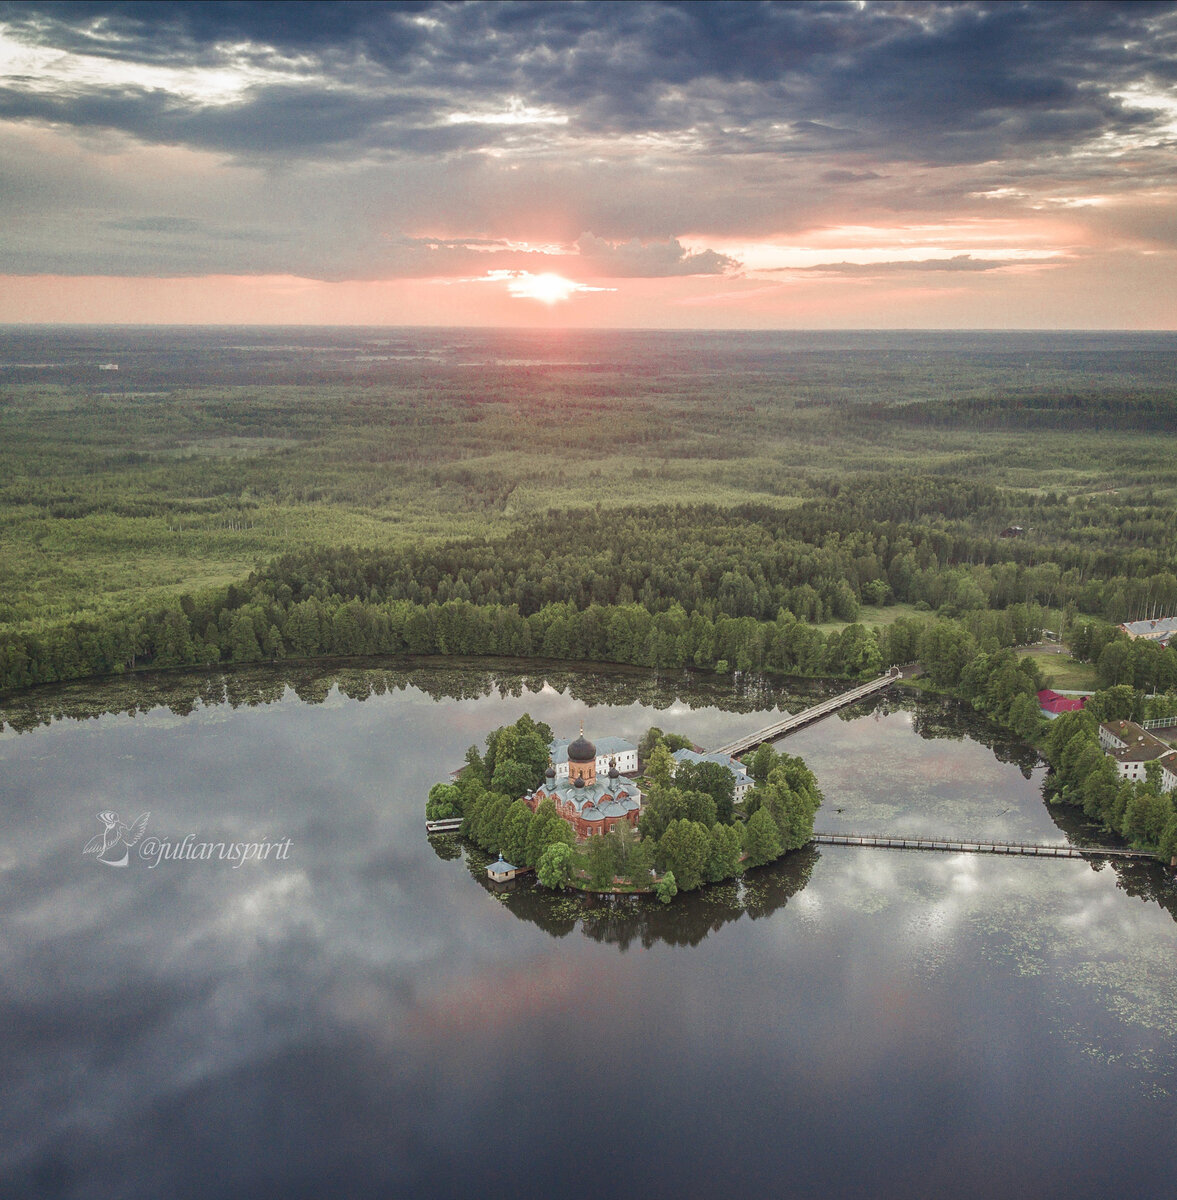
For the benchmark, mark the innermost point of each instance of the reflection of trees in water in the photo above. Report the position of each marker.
(768, 888)
(936, 717)
(447, 846)
(1146, 879)
(1078, 829)
(440, 679)
(623, 921)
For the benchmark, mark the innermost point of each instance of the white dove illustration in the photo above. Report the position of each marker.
(114, 834)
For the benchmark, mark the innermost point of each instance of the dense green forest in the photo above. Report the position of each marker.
(652, 516)
(740, 588)
(1097, 411)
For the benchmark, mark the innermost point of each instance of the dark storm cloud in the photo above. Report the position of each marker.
(839, 175)
(962, 82)
(290, 118)
(171, 32)
(328, 132)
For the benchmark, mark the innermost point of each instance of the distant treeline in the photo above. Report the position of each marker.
(1151, 412)
(667, 587)
(240, 627)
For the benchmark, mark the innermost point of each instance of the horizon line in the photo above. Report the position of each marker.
(550, 329)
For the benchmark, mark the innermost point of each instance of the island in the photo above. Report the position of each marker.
(677, 819)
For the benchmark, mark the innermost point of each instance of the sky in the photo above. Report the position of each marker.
(651, 165)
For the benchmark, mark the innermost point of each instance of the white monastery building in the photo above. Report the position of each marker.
(739, 771)
(1131, 747)
(611, 752)
(1160, 630)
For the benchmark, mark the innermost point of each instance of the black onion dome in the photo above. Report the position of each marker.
(582, 751)
(550, 773)
(578, 782)
(614, 773)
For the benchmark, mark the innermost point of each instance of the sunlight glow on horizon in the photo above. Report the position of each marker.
(549, 288)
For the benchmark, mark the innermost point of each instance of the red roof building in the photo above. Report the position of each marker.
(1052, 703)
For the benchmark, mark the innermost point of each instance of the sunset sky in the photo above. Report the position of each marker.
(818, 165)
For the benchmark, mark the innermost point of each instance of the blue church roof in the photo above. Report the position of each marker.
(736, 767)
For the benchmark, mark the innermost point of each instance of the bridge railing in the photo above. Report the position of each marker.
(976, 846)
(796, 720)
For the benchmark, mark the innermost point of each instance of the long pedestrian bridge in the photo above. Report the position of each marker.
(795, 720)
(957, 846)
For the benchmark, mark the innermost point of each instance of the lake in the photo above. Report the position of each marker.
(365, 1017)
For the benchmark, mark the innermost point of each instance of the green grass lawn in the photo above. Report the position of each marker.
(1062, 672)
(875, 618)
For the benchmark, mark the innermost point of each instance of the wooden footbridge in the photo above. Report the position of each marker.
(795, 720)
(956, 846)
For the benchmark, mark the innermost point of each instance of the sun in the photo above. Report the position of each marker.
(549, 288)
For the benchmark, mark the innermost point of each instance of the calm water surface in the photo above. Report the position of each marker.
(366, 1018)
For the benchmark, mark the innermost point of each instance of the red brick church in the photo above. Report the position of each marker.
(590, 804)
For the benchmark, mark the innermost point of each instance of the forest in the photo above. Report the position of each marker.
(726, 503)
(746, 588)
